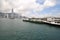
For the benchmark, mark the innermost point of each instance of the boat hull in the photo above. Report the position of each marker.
(39, 22)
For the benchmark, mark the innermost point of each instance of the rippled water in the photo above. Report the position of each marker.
(16, 29)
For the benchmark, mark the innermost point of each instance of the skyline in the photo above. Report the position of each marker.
(32, 8)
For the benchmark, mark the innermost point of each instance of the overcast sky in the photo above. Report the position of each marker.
(32, 8)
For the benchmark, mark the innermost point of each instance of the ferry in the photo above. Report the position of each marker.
(44, 22)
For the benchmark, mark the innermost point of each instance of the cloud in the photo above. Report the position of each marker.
(5, 6)
(25, 7)
(50, 3)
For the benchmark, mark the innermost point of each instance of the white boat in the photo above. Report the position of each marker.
(55, 23)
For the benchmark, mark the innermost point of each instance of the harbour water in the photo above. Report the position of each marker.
(16, 29)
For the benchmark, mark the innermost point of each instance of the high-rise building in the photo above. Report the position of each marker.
(12, 10)
(11, 15)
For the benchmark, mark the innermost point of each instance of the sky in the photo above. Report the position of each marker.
(32, 8)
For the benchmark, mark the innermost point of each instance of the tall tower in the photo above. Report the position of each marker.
(12, 10)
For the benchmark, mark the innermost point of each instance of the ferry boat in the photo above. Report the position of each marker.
(44, 22)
